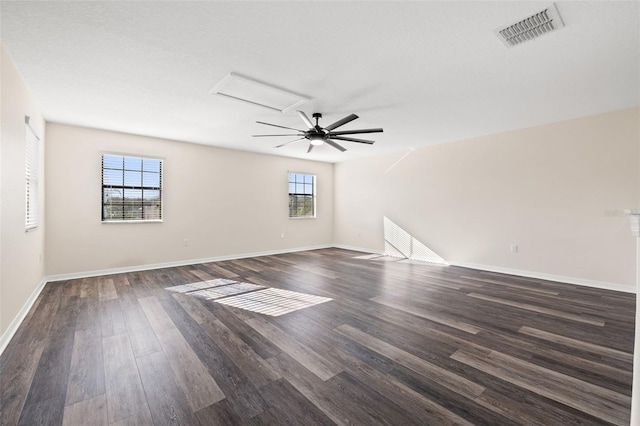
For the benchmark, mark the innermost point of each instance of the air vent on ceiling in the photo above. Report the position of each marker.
(543, 22)
(257, 93)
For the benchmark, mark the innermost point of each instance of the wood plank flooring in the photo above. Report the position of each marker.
(400, 343)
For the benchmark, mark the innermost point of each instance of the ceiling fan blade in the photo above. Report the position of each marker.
(264, 136)
(342, 122)
(306, 119)
(287, 143)
(354, 132)
(276, 125)
(341, 138)
(310, 148)
(335, 145)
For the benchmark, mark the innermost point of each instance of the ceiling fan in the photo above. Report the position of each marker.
(317, 135)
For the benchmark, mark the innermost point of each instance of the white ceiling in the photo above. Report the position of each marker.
(427, 72)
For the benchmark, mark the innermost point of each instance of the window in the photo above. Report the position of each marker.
(32, 176)
(302, 195)
(131, 188)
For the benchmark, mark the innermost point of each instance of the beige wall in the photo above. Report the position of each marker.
(224, 202)
(556, 191)
(21, 267)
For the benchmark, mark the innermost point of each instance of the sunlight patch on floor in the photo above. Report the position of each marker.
(227, 290)
(187, 288)
(250, 297)
(273, 301)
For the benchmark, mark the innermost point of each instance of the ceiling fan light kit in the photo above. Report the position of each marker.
(317, 135)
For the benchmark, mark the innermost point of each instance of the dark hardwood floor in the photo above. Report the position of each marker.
(399, 344)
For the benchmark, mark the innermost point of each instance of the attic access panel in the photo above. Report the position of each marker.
(254, 92)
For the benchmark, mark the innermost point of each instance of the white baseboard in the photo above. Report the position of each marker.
(519, 272)
(137, 268)
(13, 327)
(549, 277)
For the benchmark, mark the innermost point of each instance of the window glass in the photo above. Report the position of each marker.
(131, 188)
(302, 195)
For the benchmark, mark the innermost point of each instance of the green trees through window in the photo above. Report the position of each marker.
(302, 195)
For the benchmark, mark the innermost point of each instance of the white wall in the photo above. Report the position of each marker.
(557, 191)
(224, 202)
(21, 267)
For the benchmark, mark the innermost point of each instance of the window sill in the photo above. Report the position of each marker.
(302, 217)
(131, 221)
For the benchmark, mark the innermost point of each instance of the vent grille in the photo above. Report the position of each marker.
(536, 25)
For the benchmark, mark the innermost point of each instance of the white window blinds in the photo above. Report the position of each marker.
(32, 175)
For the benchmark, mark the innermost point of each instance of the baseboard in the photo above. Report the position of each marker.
(520, 273)
(549, 277)
(489, 268)
(13, 327)
(137, 268)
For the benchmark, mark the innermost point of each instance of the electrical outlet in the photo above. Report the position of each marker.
(514, 248)
(282, 235)
(185, 242)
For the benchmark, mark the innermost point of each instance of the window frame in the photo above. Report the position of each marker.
(32, 176)
(314, 194)
(160, 188)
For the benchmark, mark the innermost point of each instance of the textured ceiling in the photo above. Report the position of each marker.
(427, 72)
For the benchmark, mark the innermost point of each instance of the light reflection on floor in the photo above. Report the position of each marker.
(273, 301)
(250, 297)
